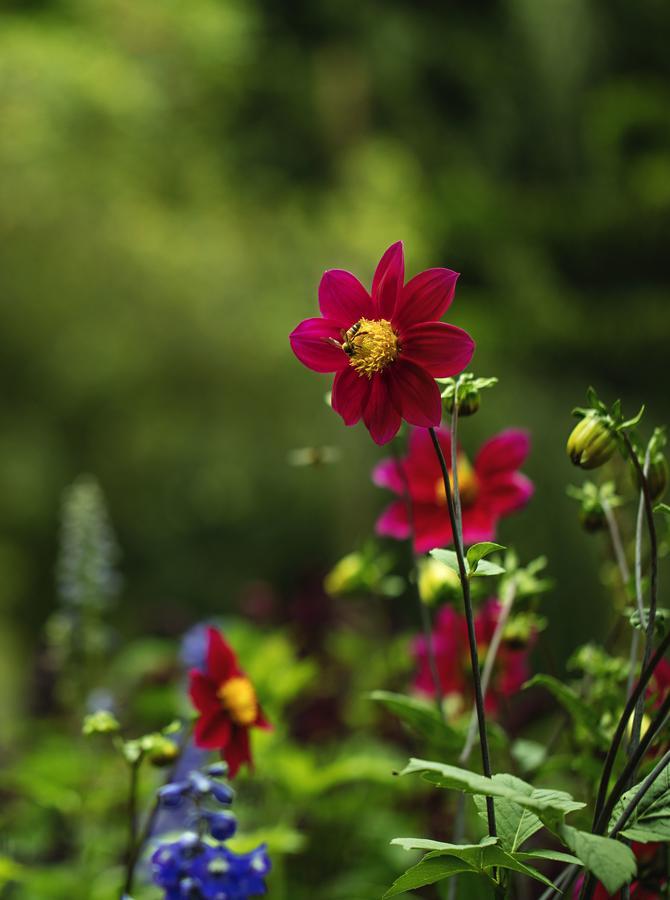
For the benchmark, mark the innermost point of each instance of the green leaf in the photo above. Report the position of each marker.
(449, 558)
(515, 823)
(428, 871)
(529, 755)
(421, 717)
(550, 806)
(553, 855)
(478, 551)
(579, 710)
(472, 854)
(651, 817)
(662, 508)
(499, 858)
(612, 862)
(485, 568)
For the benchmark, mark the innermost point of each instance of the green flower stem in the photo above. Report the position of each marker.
(638, 691)
(467, 602)
(424, 612)
(489, 662)
(453, 431)
(131, 853)
(656, 772)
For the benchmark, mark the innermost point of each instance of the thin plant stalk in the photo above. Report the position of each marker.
(131, 853)
(424, 612)
(653, 589)
(467, 602)
(489, 663)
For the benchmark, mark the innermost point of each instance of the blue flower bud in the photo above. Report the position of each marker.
(217, 769)
(172, 794)
(222, 825)
(199, 782)
(222, 793)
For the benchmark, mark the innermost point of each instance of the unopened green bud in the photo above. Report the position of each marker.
(592, 518)
(100, 722)
(437, 580)
(163, 753)
(591, 443)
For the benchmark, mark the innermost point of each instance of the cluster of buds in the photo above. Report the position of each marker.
(463, 394)
(198, 865)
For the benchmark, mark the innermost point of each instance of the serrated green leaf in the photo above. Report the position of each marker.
(421, 717)
(479, 551)
(612, 862)
(428, 871)
(515, 823)
(550, 806)
(553, 855)
(650, 820)
(486, 568)
(499, 858)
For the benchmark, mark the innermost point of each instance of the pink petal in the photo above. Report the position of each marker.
(393, 522)
(202, 691)
(414, 394)
(387, 281)
(438, 347)
(426, 297)
(389, 474)
(343, 299)
(212, 732)
(380, 415)
(310, 343)
(432, 527)
(350, 394)
(221, 660)
(504, 452)
(423, 468)
(478, 524)
(506, 492)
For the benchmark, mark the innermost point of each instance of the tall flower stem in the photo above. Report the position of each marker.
(467, 602)
(131, 853)
(424, 612)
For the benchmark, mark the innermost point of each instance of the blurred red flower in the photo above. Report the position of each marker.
(227, 703)
(647, 888)
(386, 347)
(489, 490)
(452, 655)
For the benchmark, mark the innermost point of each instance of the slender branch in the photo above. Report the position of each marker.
(453, 432)
(131, 853)
(489, 662)
(565, 879)
(621, 822)
(636, 693)
(653, 592)
(467, 602)
(424, 612)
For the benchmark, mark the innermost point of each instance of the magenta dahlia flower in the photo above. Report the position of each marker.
(386, 348)
(452, 657)
(490, 489)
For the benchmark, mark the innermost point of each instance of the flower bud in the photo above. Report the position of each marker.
(163, 753)
(468, 401)
(591, 443)
(657, 477)
(592, 518)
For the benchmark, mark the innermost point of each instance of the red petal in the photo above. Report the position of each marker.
(343, 299)
(350, 394)
(426, 297)
(238, 751)
(212, 732)
(202, 691)
(504, 452)
(389, 474)
(432, 527)
(387, 281)
(506, 492)
(221, 660)
(393, 521)
(262, 722)
(415, 394)
(311, 344)
(438, 347)
(380, 415)
(478, 524)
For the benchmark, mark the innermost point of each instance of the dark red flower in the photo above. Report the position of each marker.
(489, 490)
(227, 703)
(647, 887)
(386, 347)
(452, 655)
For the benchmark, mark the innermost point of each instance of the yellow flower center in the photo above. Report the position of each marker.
(371, 345)
(238, 698)
(468, 485)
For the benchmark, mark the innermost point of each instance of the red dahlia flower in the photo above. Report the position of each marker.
(386, 347)
(227, 703)
(489, 490)
(452, 656)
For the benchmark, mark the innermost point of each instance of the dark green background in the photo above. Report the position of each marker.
(175, 178)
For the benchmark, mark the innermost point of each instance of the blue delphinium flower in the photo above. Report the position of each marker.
(198, 865)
